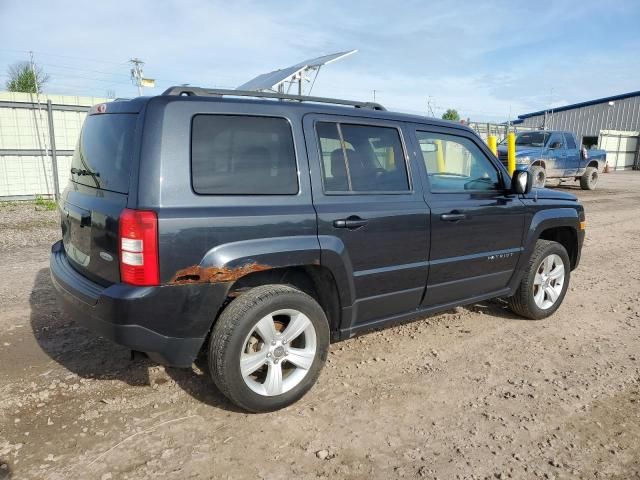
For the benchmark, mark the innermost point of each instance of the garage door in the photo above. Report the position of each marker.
(622, 148)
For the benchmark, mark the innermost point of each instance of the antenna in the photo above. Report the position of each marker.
(284, 79)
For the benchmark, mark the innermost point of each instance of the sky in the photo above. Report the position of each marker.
(489, 59)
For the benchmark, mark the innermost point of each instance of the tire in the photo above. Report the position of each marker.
(529, 301)
(539, 175)
(589, 179)
(238, 334)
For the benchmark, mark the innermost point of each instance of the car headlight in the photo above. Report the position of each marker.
(523, 160)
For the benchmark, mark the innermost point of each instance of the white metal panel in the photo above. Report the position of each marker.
(621, 148)
(30, 175)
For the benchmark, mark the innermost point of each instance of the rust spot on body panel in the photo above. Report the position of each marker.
(198, 274)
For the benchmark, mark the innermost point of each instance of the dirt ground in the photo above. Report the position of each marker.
(472, 393)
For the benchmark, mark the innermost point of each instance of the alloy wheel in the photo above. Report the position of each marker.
(548, 282)
(278, 352)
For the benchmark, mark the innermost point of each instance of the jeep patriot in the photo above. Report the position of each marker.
(260, 227)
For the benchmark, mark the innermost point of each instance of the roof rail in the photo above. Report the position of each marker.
(214, 92)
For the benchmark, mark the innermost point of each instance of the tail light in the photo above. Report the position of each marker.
(138, 241)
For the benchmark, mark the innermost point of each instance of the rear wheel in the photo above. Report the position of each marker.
(589, 178)
(539, 176)
(545, 282)
(268, 347)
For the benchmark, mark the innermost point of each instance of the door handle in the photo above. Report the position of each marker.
(453, 217)
(351, 223)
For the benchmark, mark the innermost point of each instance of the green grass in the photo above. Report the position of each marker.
(45, 204)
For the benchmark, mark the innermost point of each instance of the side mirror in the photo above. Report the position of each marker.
(584, 153)
(554, 145)
(521, 182)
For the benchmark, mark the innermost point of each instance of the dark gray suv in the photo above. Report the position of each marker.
(263, 226)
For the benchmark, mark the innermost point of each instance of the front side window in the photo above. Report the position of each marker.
(531, 139)
(555, 141)
(242, 155)
(361, 158)
(456, 164)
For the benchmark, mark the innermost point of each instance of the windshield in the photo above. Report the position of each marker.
(532, 139)
(103, 155)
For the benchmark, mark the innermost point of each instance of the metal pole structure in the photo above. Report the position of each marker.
(440, 157)
(511, 152)
(136, 73)
(54, 157)
(493, 144)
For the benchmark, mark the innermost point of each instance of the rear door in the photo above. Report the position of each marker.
(476, 225)
(370, 206)
(572, 159)
(97, 192)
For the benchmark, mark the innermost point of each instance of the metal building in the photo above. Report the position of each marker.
(611, 123)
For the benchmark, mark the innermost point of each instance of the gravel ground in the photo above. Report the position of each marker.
(472, 393)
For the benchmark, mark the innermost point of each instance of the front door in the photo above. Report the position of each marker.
(476, 225)
(371, 211)
(556, 156)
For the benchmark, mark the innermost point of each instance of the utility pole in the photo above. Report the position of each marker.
(137, 74)
(430, 111)
(374, 96)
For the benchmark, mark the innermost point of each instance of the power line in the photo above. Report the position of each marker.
(63, 56)
(67, 67)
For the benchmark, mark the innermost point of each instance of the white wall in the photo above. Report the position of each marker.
(26, 129)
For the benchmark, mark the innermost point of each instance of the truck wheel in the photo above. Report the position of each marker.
(267, 347)
(589, 179)
(539, 176)
(545, 282)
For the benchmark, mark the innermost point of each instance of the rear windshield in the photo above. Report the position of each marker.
(102, 158)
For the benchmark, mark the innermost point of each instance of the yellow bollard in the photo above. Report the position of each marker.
(391, 159)
(492, 141)
(440, 156)
(511, 152)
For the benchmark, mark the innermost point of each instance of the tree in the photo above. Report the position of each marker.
(451, 114)
(24, 78)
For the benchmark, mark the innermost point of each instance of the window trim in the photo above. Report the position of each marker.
(502, 188)
(252, 115)
(338, 123)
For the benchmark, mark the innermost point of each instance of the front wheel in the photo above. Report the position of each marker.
(267, 347)
(545, 282)
(539, 176)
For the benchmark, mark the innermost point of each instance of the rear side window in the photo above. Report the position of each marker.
(102, 158)
(361, 158)
(242, 155)
(568, 138)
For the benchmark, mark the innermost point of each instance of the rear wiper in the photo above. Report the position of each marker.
(81, 172)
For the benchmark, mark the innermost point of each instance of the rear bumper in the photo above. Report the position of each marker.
(169, 323)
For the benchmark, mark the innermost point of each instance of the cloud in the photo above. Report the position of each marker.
(483, 58)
